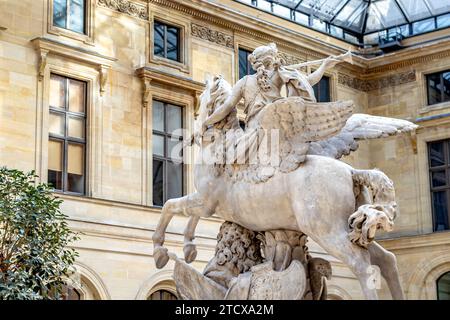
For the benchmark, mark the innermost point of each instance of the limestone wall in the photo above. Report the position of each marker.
(116, 216)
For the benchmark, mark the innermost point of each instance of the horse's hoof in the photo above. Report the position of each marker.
(161, 257)
(190, 252)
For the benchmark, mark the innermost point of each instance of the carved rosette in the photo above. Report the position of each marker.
(208, 34)
(125, 6)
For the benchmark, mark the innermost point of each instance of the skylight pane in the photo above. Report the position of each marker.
(288, 3)
(389, 13)
(265, 5)
(319, 25)
(282, 11)
(336, 31)
(352, 15)
(302, 18)
(415, 9)
(423, 26)
(439, 6)
(443, 21)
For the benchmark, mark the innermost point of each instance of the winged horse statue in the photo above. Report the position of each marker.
(309, 190)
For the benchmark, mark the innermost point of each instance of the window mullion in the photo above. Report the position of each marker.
(67, 14)
(165, 42)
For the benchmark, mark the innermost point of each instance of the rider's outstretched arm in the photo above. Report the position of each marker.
(225, 109)
(328, 63)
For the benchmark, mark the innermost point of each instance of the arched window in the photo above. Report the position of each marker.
(162, 295)
(71, 294)
(443, 287)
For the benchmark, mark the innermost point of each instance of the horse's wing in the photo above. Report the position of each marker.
(359, 127)
(298, 123)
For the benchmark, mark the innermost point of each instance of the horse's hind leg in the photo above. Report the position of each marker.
(355, 257)
(388, 266)
(190, 252)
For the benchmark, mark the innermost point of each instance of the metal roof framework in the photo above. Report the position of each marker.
(359, 18)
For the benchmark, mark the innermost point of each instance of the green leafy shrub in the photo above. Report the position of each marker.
(35, 261)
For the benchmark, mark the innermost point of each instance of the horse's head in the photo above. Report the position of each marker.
(216, 92)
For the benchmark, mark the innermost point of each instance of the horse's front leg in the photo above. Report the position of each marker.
(190, 205)
(189, 249)
(170, 208)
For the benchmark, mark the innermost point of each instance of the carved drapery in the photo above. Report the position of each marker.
(128, 7)
(211, 35)
(377, 84)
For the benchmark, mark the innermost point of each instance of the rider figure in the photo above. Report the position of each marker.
(264, 87)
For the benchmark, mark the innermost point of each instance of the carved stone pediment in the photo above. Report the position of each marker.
(151, 75)
(46, 47)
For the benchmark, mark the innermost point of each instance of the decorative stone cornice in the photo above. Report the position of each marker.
(128, 7)
(290, 59)
(251, 31)
(378, 83)
(46, 47)
(151, 75)
(217, 37)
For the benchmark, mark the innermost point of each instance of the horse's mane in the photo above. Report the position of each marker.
(216, 93)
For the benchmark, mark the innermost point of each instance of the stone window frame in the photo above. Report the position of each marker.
(66, 139)
(169, 88)
(87, 37)
(168, 136)
(184, 65)
(423, 89)
(68, 61)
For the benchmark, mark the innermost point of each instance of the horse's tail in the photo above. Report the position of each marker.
(376, 206)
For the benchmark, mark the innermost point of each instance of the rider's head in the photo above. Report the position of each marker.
(264, 56)
(262, 59)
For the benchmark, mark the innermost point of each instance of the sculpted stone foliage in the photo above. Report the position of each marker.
(217, 37)
(377, 84)
(127, 7)
(302, 190)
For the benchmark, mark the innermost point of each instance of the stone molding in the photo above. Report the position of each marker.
(128, 7)
(149, 74)
(378, 83)
(211, 35)
(45, 46)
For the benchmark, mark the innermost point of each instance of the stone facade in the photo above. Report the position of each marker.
(115, 57)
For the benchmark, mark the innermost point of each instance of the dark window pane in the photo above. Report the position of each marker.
(243, 65)
(434, 88)
(443, 287)
(174, 180)
(446, 86)
(158, 44)
(75, 168)
(438, 178)
(158, 182)
(76, 17)
(174, 118)
(440, 211)
(60, 13)
(322, 90)
(172, 43)
(162, 295)
(437, 157)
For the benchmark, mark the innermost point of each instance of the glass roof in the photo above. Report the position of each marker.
(366, 16)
